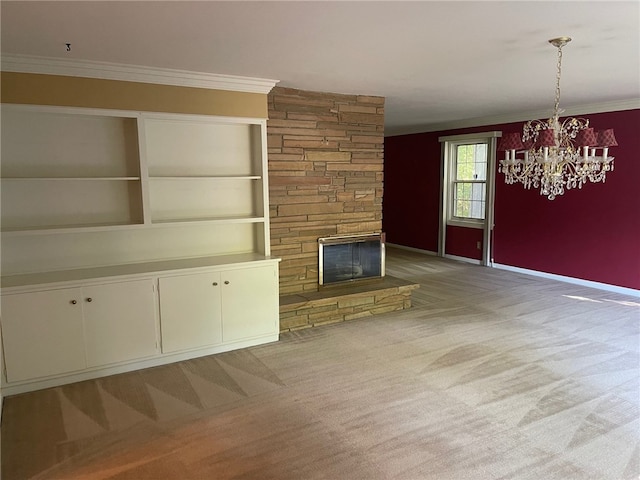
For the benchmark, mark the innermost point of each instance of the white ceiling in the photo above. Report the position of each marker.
(438, 64)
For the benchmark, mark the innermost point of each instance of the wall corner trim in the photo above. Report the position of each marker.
(134, 73)
(576, 281)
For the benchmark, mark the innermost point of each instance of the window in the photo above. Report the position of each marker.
(467, 194)
(468, 181)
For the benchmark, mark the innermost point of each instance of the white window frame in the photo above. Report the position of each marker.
(452, 219)
(449, 145)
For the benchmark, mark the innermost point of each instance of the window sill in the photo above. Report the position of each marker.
(466, 223)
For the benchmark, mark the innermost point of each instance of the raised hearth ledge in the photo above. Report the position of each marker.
(344, 302)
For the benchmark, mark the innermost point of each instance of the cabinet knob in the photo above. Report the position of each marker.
(73, 302)
(215, 284)
(89, 299)
(226, 282)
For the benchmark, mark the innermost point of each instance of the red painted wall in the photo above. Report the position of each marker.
(411, 203)
(463, 242)
(591, 234)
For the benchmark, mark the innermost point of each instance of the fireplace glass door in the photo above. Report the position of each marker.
(350, 259)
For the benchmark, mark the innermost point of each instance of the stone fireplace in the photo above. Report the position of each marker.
(350, 258)
(326, 167)
(326, 164)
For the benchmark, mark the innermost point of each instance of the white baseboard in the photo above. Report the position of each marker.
(429, 252)
(561, 278)
(411, 249)
(577, 281)
(463, 259)
(9, 389)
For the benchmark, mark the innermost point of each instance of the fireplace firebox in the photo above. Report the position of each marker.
(351, 258)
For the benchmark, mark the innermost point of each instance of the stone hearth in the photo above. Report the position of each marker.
(345, 302)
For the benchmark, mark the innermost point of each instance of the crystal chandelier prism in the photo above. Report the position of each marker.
(556, 155)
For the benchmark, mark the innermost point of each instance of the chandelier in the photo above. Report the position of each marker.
(556, 155)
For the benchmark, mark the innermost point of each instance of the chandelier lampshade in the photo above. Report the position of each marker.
(546, 138)
(510, 141)
(606, 138)
(586, 138)
(556, 155)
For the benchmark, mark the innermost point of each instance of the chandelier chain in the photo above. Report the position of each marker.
(556, 108)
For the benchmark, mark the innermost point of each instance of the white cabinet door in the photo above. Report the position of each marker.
(249, 302)
(42, 333)
(119, 321)
(190, 311)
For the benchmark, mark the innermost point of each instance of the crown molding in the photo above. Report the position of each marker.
(586, 109)
(134, 73)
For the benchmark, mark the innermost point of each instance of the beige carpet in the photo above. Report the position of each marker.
(491, 375)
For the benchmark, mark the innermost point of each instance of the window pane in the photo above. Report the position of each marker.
(477, 191)
(469, 200)
(464, 162)
(481, 161)
(463, 191)
(476, 210)
(471, 162)
(462, 209)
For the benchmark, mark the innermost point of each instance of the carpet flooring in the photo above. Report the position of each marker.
(490, 375)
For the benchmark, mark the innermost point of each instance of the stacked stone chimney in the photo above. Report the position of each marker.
(326, 155)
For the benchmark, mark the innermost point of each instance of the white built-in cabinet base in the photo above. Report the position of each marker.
(67, 326)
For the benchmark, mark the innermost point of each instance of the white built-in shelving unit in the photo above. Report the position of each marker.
(75, 169)
(130, 239)
(166, 185)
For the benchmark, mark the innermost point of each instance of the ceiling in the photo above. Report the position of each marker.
(439, 64)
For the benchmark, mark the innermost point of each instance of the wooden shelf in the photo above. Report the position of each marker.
(72, 179)
(209, 220)
(58, 229)
(207, 177)
(38, 280)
